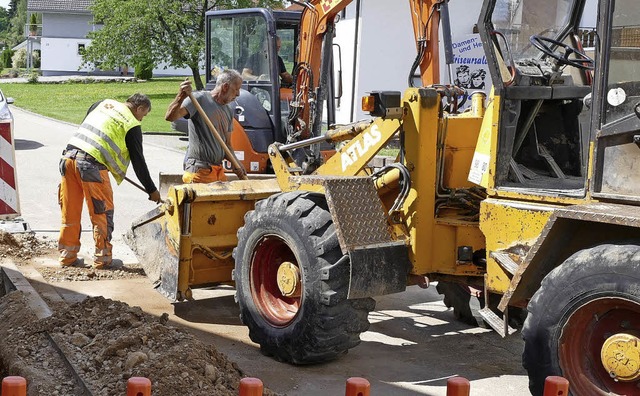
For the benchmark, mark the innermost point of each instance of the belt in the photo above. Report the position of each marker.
(77, 154)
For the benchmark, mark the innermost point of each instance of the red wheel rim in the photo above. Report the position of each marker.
(277, 309)
(581, 342)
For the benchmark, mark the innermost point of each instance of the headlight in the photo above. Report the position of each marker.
(5, 114)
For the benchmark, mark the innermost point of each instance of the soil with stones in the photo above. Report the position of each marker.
(104, 343)
(28, 249)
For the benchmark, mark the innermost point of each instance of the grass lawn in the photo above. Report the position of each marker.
(70, 101)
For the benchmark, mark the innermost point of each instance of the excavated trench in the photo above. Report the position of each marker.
(95, 346)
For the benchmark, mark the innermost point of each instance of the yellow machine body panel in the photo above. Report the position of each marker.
(461, 133)
(432, 145)
(189, 240)
(483, 165)
(511, 227)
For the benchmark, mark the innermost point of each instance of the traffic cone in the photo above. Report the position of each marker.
(357, 386)
(458, 386)
(14, 386)
(250, 387)
(556, 386)
(139, 386)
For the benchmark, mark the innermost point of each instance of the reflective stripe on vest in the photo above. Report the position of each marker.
(102, 136)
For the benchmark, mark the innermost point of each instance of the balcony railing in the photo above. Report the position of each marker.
(32, 30)
(624, 37)
(587, 36)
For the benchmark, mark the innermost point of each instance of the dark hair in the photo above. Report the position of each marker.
(478, 73)
(462, 69)
(138, 99)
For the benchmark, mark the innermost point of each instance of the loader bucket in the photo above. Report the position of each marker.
(188, 241)
(166, 180)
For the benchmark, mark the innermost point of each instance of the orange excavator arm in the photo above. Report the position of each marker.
(314, 57)
(312, 68)
(425, 17)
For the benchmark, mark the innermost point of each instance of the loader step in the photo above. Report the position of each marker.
(496, 323)
(505, 261)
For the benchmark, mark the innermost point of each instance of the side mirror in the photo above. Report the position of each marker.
(587, 101)
(10, 100)
(239, 112)
(636, 108)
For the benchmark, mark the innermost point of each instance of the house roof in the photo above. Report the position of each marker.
(59, 5)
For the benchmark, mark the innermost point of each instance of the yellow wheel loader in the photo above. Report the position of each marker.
(525, 204)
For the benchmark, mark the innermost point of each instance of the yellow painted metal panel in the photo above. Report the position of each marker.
(448, 236)
(483, 167)
(461, 136)
(420, 128)
(513, 226)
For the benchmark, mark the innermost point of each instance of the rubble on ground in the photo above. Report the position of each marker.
(105, 343)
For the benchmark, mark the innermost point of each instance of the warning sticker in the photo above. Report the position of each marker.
(479, 167)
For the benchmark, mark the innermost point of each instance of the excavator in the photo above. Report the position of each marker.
(525, 209)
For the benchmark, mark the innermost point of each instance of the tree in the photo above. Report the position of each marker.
(4, 20)
(13, 8)
(18, 15)
(167, 32)
(33, 25)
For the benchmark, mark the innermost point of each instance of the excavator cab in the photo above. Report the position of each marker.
(258, 43)
(543, 79)
(245, 40)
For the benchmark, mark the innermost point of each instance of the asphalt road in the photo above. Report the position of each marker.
(412, 347)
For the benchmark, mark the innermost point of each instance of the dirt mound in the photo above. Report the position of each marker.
(24, 246)
(106, 343)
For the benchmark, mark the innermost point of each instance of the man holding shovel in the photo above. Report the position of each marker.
(203, 162)
(107, 140)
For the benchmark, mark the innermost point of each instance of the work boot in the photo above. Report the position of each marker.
(73, 263)
(101, 265)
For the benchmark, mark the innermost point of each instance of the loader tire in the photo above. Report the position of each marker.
(591, 299)
(318, 323)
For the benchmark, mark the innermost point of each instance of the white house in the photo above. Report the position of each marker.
(65, 25)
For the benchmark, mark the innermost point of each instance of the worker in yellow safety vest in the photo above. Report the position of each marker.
(109, 138)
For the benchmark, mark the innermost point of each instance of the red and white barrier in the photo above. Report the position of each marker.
(9, 203)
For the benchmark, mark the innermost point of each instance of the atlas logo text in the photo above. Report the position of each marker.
(360, 146)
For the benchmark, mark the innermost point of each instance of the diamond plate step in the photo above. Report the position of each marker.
(496, 323)
(356, 210)
(505, 261)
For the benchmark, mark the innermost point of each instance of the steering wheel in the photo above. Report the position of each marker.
(581, 61)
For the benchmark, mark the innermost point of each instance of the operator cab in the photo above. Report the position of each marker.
(247, 40)
(542, 75)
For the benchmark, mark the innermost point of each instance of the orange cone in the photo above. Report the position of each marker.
(14, 386)
(250, 387)
(458, 386)
(357, 386)
(138, 386)
(556, 386)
